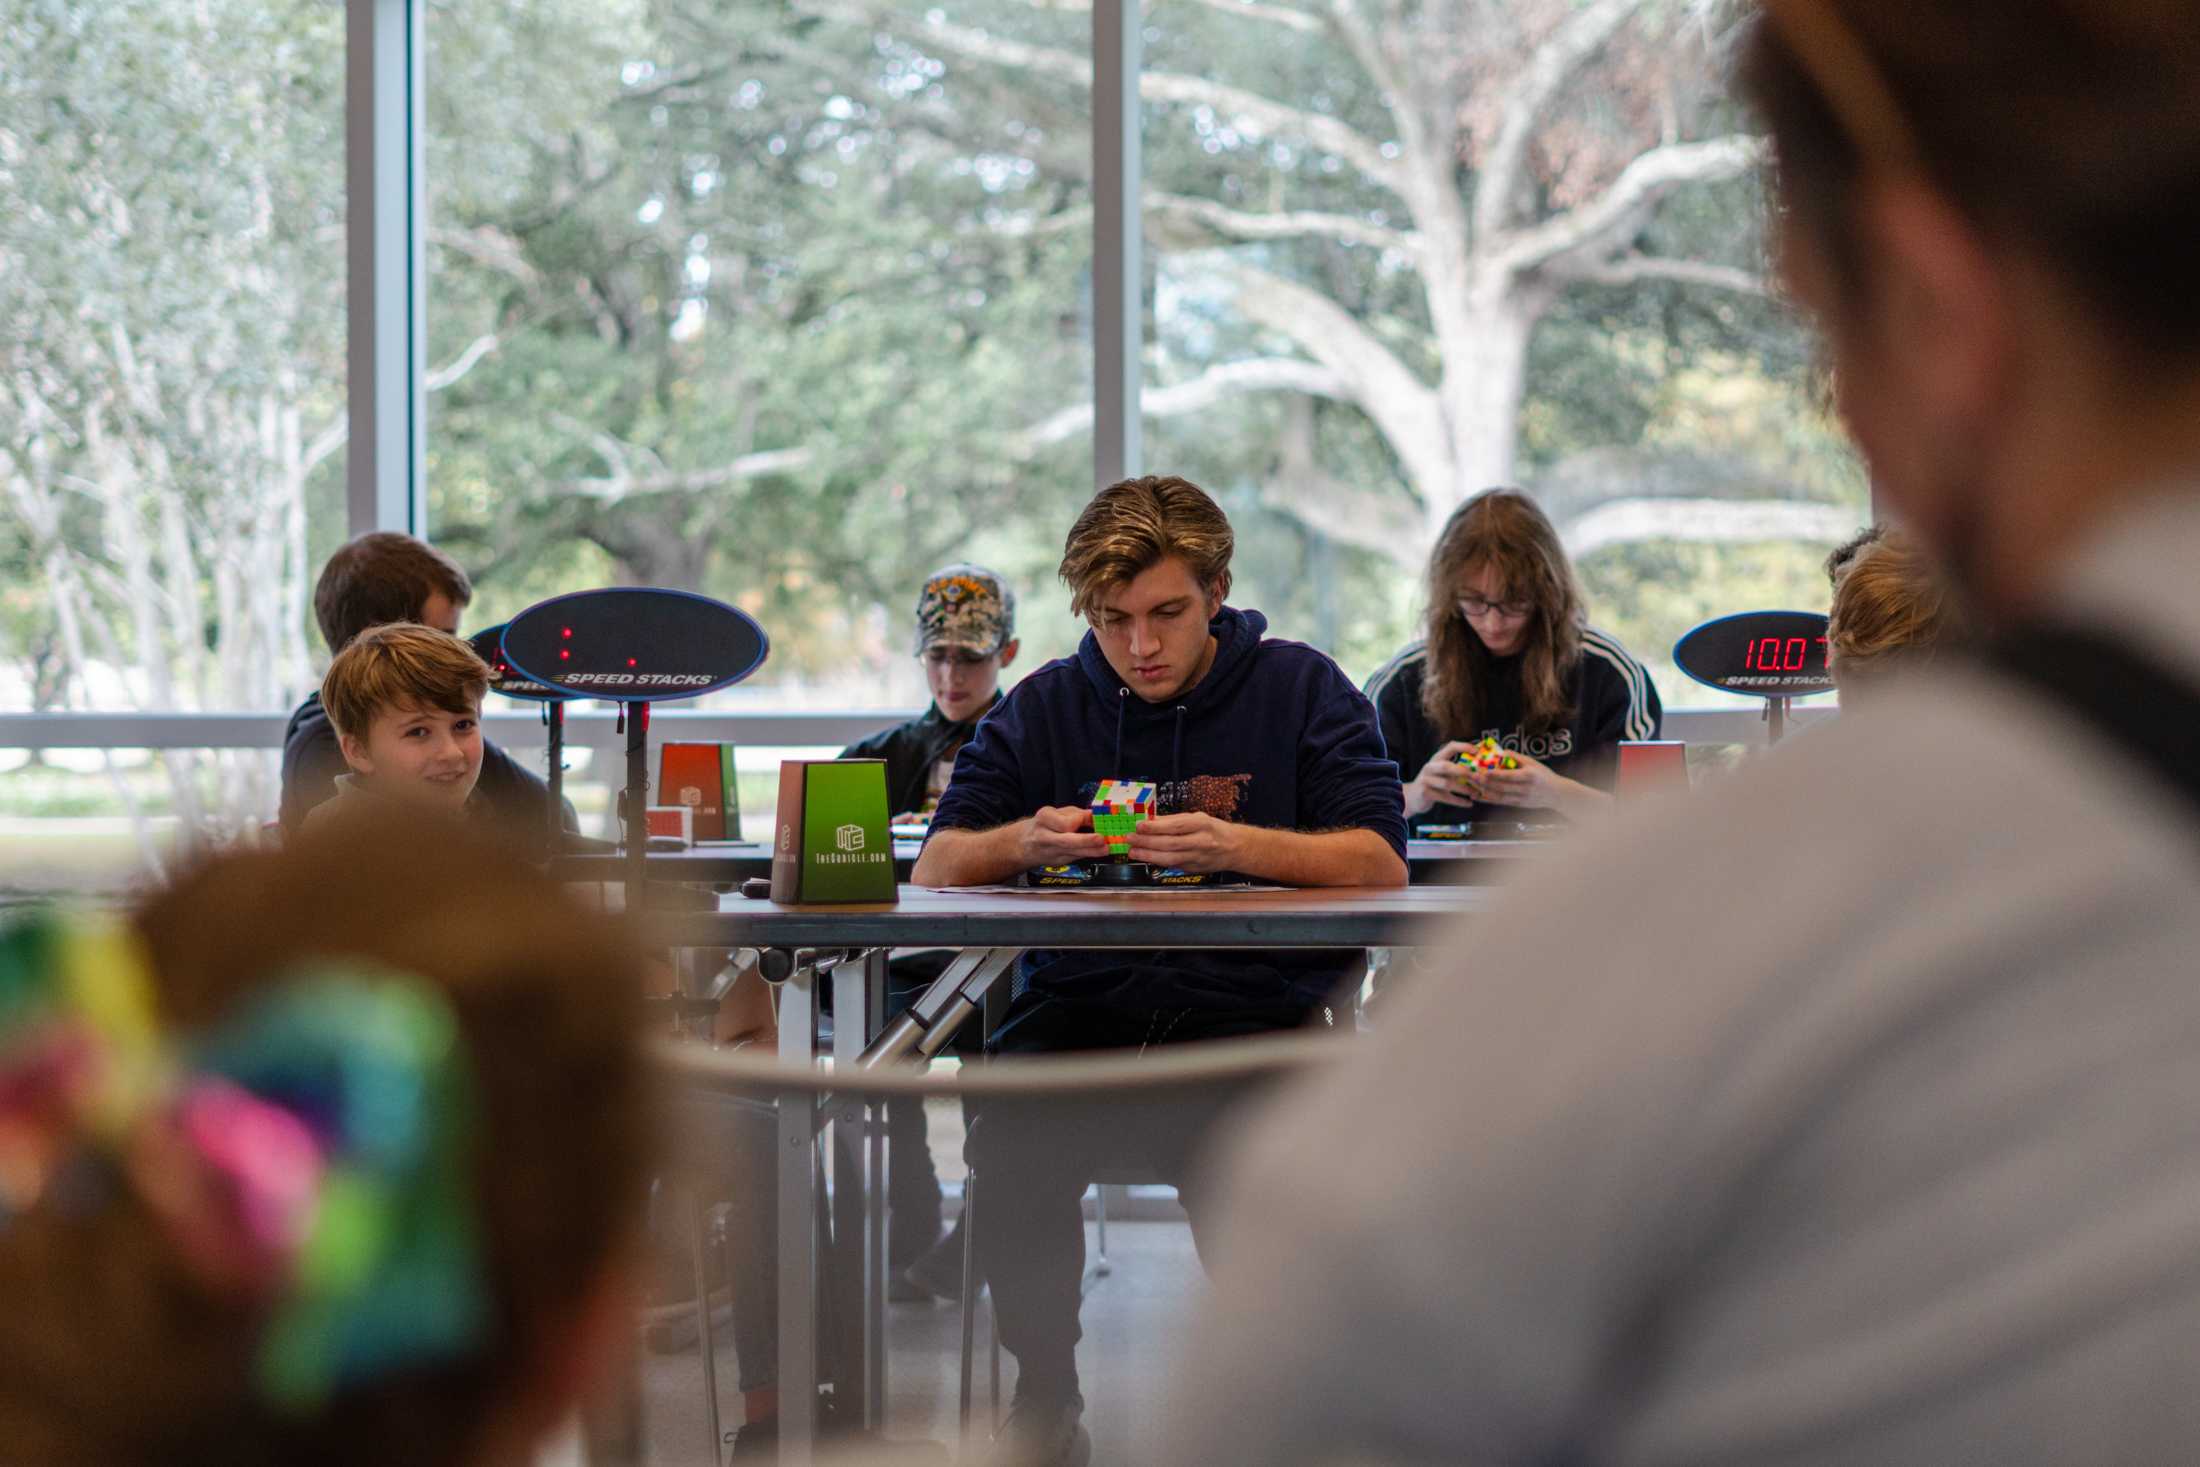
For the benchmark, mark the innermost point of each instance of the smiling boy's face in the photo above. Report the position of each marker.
(425, 756)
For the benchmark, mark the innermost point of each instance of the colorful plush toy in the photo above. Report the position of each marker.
(1119, 807)
(1488, 755)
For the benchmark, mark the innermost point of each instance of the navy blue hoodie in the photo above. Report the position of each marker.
(1273, 735)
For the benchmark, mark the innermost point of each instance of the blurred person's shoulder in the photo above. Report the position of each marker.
(1950, 792)
(1949, 818)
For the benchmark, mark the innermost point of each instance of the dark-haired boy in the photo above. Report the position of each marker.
(377, 578)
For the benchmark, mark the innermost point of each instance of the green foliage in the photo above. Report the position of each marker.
(767, 298)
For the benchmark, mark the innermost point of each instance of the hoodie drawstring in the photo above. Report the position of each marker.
(1176, 742)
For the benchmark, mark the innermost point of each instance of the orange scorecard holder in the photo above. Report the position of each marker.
(701, 777)
(1648, 766)
(830, 842)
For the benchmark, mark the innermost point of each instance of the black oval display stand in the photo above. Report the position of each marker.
(1773, 655)
(633, 645)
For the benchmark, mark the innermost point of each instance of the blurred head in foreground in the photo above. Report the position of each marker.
(329, 1156)
(1989, 207)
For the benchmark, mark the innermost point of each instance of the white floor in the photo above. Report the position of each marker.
(1132, 1322)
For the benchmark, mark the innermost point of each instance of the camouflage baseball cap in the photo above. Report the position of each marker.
(965, 606)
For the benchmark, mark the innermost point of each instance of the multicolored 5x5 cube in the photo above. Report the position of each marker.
(1488, 754)
(1119, 806)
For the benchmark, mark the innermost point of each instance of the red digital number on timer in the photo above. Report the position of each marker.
(1780, 654)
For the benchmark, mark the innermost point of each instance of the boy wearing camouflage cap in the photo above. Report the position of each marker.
(966, 637)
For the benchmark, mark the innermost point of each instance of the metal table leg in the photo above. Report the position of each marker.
(855, 1189)
(706, 1337)
(797, 1224)
(877, 1179)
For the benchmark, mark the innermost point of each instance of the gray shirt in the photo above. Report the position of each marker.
(1847, 1115)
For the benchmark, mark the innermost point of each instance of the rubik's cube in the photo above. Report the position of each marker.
(1118, 807)
(1488, 754)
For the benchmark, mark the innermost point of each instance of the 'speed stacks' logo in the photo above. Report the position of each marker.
(633, 679)
(849, 837)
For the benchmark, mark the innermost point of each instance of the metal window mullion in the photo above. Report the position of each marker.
(386, 309)
(1117, 268)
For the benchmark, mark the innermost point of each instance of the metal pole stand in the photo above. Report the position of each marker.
(634, 799)
(553, 718)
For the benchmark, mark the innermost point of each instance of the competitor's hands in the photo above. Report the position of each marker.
(1058, 835)
(1531, 785)
(1442, 781)
(1193, 842)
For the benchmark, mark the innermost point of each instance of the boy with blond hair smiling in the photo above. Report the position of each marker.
(406, 704)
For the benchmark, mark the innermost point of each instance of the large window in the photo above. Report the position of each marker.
(172, 418)
(790, 302)
(780, 306)
(1404, 254)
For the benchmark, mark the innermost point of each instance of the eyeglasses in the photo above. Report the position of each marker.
(1471, 607)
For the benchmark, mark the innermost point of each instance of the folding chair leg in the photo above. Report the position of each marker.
(698, 1250)
(1101, 1268)
(969, 1302)
(993, 1384)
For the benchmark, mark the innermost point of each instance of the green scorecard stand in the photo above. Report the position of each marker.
(832, 844)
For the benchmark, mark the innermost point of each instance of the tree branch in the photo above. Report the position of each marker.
(1367, 48)
(1255, 113)
(1283, 15)
(333, 437)
(748, 466)
(1600, 222)
(488, 246)
(1251, 111)
(457, 367)
(1633, 269)
(1216, 384)
(1349, 515)
(674, 81)
(1555, 62)
(1289, 224)
(1712, 521)
(1406, 409)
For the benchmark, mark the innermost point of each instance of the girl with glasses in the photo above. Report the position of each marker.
(1508, 655)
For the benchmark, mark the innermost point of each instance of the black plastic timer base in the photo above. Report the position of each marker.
(1122, 873)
